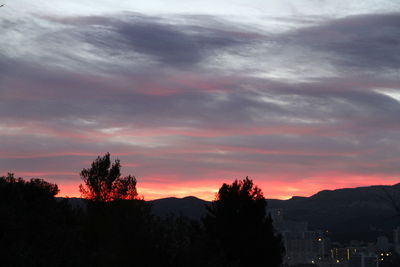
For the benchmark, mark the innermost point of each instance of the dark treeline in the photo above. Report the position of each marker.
(117, 228)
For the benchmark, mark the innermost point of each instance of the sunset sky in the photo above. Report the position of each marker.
(299, 95)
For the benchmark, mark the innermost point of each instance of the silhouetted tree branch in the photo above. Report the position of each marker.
(103, 181)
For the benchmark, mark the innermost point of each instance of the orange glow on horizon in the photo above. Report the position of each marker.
(207, 189)
(282, 186)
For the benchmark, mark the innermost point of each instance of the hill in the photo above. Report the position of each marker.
(191, 207)
(358, 213)
(362, 208)
(362, 212)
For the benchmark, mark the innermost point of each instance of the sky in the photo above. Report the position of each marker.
(300, 95)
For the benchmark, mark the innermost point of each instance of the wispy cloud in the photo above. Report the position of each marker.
(186, 99)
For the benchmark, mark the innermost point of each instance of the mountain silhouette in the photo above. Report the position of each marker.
(191, 207)
(357, 213)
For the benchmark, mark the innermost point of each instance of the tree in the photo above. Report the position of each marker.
(117, 225)
(103, 181)
(34, 188)
(238, 222)
(36, 229)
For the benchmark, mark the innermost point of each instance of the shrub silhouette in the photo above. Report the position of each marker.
(238, 222)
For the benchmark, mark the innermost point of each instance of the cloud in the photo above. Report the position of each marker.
(181, 42)
(198, 98)
(368, 42)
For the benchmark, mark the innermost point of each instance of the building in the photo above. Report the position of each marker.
(364, 260)
(396, 240)
(306, 247)
(383, 244)
(302, 246)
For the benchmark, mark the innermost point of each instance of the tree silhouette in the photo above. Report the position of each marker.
(103, 181)
(33, 188)
(238, 222)
(118, 225)
(36, 229)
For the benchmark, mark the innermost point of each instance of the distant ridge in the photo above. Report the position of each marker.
(347, 210)
(357, 210)
(191, 207)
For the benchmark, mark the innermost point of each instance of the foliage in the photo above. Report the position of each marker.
(103, 181)
(118, 233)
(237, 220)
(35, 228)
(34, 186)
